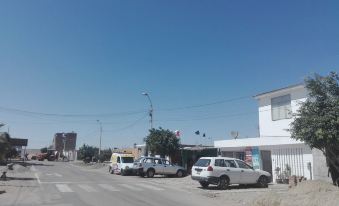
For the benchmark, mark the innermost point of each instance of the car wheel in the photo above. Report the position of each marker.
(180, 173)
(204, 184)
(223, 183)
(150, 173)
(263, 182)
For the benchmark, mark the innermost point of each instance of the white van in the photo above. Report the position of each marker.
(121, 163)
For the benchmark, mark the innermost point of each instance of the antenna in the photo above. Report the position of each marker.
(235, 134)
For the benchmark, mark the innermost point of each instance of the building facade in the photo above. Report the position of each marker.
(65, 144)
(274, 150)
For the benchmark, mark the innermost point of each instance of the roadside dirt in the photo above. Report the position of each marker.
(308, 193)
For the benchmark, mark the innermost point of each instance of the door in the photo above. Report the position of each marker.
(232, 171)
(169, 169)
(158, 166)
(247, 173)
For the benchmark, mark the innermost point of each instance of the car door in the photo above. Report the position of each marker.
(158, 166)
(248, 174)
(232, 171)
(169, 169)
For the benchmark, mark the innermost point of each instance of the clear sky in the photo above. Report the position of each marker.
(93, 59)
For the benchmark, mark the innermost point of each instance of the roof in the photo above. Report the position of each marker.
(251, 142)
(18, 142)
(279, 90)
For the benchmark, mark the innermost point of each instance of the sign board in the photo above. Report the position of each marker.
(255, 158)
(248, 155)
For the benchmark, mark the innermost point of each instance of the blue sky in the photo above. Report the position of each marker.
(96, 57)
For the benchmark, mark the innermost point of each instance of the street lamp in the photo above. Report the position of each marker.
(100, 136)
(151, 109)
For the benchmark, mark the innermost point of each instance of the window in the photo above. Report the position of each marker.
(219, 163)
(202, 163)
(243, 165)
(281, 107)
(230, 163)
(166, 162)
(158, 161)
(127, 159)
(148, 160)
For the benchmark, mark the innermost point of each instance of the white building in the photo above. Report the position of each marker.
(274, 150)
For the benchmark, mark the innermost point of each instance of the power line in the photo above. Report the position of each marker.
(214, 117)
(206, 104)
(33, 113)
(20, 111)
(128, 126)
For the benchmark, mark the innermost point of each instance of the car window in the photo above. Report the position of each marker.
(127, 159)
(202, 163)
(219, 163)
(230, 163)
(118, 160)
(148, 160)
(243, 165)
(166, 162)
(158, 161)
(139, 159)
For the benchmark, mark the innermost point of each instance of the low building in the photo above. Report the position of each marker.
(274, 150)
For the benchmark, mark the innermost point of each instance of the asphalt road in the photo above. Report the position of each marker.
(64, 184)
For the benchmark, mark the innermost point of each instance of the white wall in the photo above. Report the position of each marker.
(269, 128)
(296, 156)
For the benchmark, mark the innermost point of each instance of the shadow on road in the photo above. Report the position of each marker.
(232, 187)
(21, 178)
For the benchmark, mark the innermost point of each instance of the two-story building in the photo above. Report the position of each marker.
(274, 150)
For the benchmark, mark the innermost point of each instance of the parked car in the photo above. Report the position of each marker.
(121, 163)
(151, 166)
(223, 171)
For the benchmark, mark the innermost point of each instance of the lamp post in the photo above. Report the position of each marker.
(151, 109)
(100, 136)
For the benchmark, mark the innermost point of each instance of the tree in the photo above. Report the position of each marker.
(4, 145)
(105, 155)
(87, 153)
(162, 142)
(317, 120)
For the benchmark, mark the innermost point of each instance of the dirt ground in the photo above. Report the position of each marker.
(308, 193)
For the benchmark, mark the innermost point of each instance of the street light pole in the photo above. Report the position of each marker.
(151, 109)
(100, 136)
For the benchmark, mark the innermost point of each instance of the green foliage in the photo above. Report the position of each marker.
(4, 145)
(12, 153)
(162, 142)
(43, 150)
(87, 153)
(105, 155)
(317, 120)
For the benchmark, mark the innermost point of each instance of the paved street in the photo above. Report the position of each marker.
(58, 183)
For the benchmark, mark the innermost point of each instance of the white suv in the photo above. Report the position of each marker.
(223, 171)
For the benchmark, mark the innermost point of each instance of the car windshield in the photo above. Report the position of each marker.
(202, 162)
(127, 159)
(139, 159)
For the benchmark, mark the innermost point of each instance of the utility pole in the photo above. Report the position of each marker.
(151, 108)
(100, 136)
